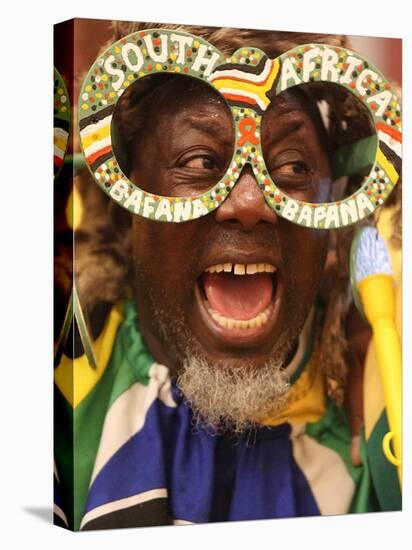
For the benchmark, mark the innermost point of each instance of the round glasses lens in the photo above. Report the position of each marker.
(173, 135)
(318, 142)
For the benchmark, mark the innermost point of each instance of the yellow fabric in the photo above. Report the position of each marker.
(306, 400)
(374, 402)
(75, 378)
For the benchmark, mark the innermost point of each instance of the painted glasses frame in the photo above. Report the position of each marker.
(61, 121)
(245, 81)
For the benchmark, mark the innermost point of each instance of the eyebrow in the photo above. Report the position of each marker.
(213, 128)
(287, 129)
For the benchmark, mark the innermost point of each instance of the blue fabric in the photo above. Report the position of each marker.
(209, 477)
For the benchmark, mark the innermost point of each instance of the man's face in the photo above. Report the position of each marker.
(234, 287)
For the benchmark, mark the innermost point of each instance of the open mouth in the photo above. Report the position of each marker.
(239, 300)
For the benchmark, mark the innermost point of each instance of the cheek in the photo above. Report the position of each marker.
(164, 256)
(305, 253)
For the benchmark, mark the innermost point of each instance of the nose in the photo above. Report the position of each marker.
(246, 204)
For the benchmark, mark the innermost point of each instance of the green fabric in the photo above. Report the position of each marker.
(355, 159)
(384, 474)
(79, 436)
(333, 431)
(63, 451)
(364, 499)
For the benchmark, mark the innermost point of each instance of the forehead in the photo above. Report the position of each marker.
(182, 98)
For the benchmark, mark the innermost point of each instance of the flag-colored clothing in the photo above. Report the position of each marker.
(129, 453)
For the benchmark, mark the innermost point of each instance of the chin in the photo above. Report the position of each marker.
(233, 396)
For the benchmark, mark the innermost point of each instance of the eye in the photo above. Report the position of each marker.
(292, 168)
(292, 171)
(201, 162)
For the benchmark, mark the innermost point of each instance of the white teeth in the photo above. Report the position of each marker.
(241, 269)
(227, 322)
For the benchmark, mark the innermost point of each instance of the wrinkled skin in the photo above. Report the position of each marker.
(184, 151)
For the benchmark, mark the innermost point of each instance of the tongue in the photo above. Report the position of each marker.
(238, 296)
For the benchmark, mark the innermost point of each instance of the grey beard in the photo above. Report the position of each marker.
(233, 398)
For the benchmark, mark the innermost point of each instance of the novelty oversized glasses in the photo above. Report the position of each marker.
(246, 83)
